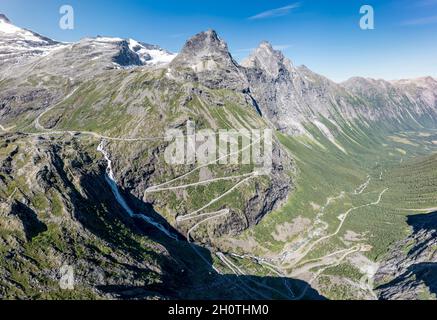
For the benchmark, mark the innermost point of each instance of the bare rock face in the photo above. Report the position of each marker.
(205, 58)
(19, 47)
(69, 177)
(291, 97)
(411, 102)
(271, 61)
(409, 271)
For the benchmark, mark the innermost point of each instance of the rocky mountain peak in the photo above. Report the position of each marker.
(205, 58)
(4, 18)
(206, 43)
(205, 52)
(266, 58)
(267, 46)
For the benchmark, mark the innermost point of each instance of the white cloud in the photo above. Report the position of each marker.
(278, 12)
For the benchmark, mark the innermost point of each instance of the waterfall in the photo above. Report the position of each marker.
(110, 179)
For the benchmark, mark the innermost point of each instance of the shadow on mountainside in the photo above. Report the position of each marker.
(420, 265)
(224, 287)
(425, 273)
(427, 221)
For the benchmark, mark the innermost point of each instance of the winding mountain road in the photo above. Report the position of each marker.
(342, 218)
(154, 189)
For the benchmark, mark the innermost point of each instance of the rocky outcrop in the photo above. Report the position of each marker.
(409, 271)
(271, 62)
(150, 54)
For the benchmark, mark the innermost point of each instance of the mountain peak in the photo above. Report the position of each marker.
(4, 18)
(206, 40)
(204, 52)
(266, 58)
(211, 33)
(266, 45)
(20, 36)
(208, 37)
(207, 59)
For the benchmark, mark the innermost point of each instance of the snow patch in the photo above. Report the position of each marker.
(108, 39)
(160, 57)
(8, 28)
(150, 55)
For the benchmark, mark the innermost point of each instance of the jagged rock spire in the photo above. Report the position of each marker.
(208, 58)
(205, 51)
(266, 58)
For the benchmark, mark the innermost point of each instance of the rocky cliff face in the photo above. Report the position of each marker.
(293, 97)
(409, 272)
(406, 101)
(50, 217)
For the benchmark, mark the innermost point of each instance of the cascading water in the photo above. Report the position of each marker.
(110, 178)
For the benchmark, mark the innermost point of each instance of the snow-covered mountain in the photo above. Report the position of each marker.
(18, 44)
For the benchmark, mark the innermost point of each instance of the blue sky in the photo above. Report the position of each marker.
(322, 34)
